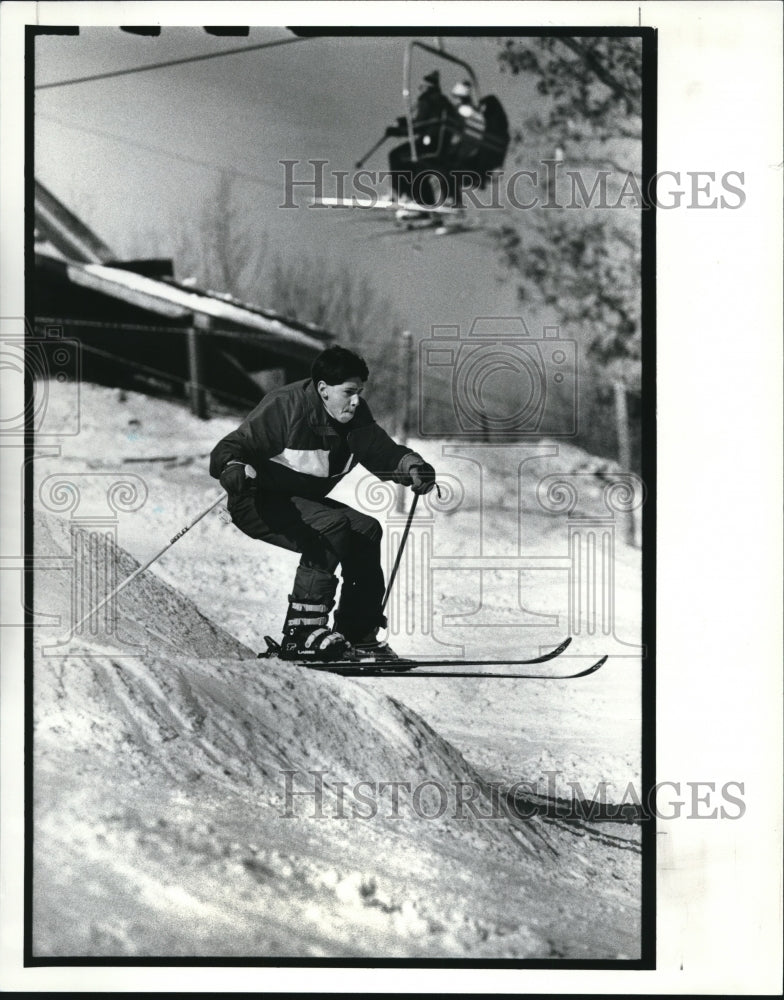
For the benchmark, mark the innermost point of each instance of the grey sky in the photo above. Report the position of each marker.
(326, 98)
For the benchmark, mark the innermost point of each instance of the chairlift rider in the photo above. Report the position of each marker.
(465, 143)
(434, 120)
(468, 141)
(481, 145)
(459, 138)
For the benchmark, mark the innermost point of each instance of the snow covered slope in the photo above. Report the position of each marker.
(190, 799)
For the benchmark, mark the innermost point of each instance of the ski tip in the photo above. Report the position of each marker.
(551, 655)
(593, 668)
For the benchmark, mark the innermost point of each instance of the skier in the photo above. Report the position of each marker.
(467, 142)
(434, 121)
(300, 441)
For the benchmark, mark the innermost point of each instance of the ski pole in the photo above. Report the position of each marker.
(399, 556)
(360, 162)
(141, 569)
(406, 530)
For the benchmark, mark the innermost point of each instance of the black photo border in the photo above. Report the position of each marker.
(647, 958)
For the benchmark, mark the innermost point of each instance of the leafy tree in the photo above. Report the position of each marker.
(595, 83)
(578, 251)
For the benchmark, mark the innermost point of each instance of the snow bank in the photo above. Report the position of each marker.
(177, 778)
(183, 792)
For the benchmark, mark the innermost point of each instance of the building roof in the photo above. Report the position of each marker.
(132, 318)
(167, 298)
(91, 264)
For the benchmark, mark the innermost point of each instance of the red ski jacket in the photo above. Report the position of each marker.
(290, 442)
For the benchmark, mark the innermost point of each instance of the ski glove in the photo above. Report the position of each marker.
(400, 128)
(233, 479)
(423, 478)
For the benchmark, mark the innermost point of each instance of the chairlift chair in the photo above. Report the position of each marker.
(487, 131)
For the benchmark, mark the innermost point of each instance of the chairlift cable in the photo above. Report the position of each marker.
(162, 152)
(170, 62)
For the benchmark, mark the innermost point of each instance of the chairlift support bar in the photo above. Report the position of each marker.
(407, 82)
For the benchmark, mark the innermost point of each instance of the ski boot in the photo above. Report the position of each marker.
(369, 652)
(370, 648)
(408, 210)
(307, 637)
(306, 634)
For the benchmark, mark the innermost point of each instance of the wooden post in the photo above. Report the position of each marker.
(198, 395)
(622, 426)
(624, 451)
(405, 396)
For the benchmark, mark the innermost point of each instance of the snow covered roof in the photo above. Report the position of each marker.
(177, 302)
(91, 264)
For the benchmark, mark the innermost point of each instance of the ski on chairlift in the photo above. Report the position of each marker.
(406, 215)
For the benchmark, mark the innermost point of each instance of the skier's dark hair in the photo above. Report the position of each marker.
(338, 364)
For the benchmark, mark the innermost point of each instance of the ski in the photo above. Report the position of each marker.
(413, 670)
(273, 650)
(406, 667)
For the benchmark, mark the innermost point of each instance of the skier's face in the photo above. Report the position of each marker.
(341, 401)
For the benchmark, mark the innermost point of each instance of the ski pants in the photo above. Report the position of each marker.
(415, 180)
(327, 534)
